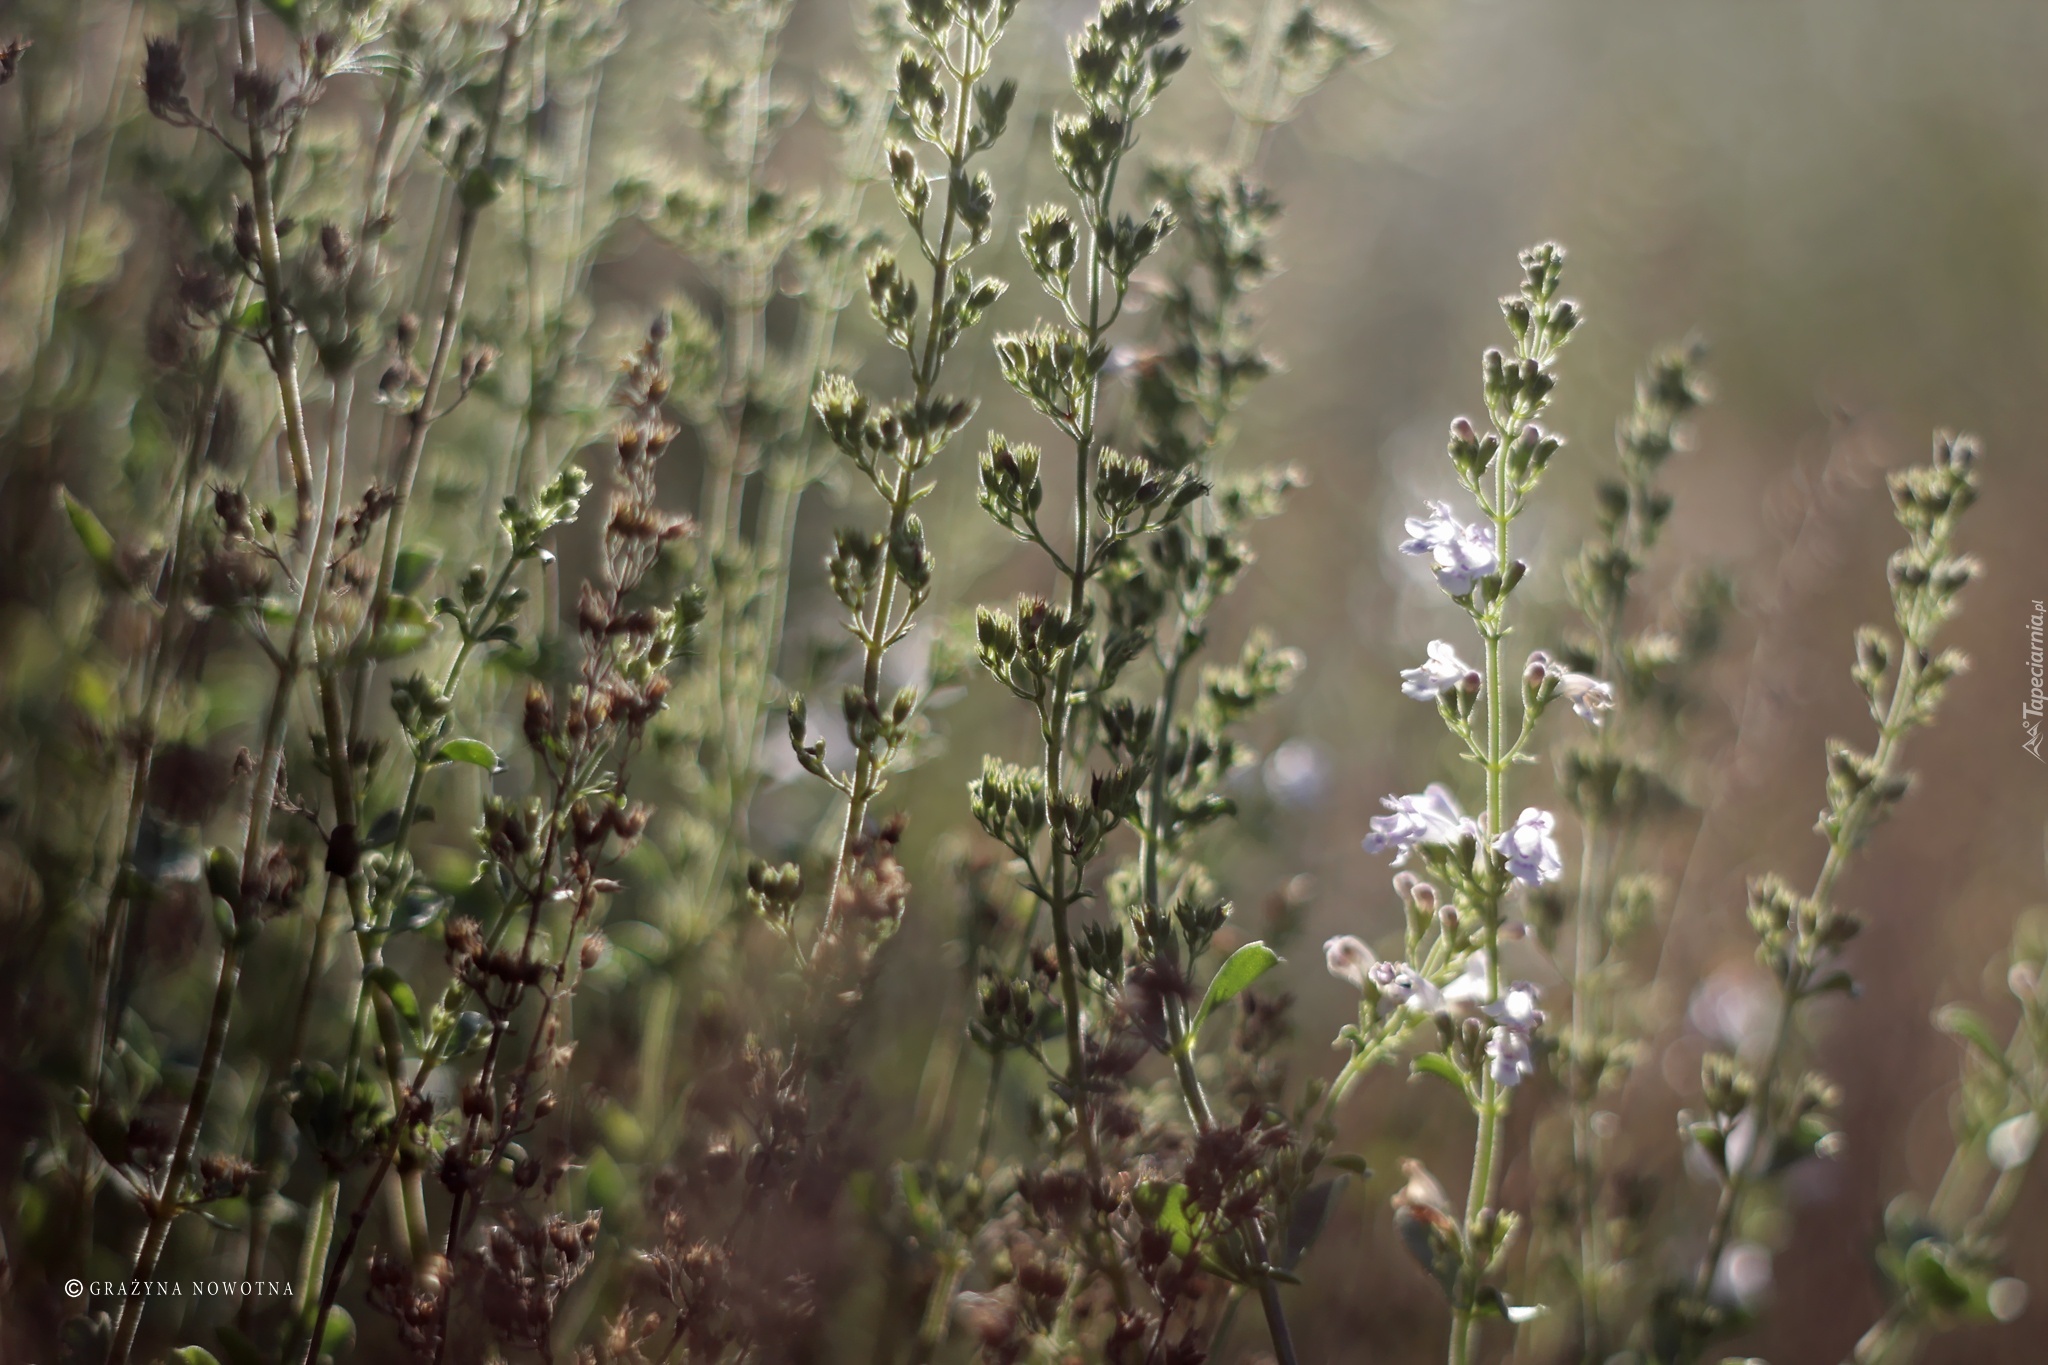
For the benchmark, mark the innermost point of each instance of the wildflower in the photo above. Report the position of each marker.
(1516, 1007)
(1348, 959)
(1543, 680)
(1400, 984)
(1440, 671)
(1531, 852)
(1460, 555)
(2011, 1144)
(1589, 696)
(1430, 818)
(1469, 986)
(1513, 1057)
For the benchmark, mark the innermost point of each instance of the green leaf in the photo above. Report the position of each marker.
(1442, 1067)
(474, 752)
(604, 1184)
(1238, 971)
(95, 538)
(1959, 1021)
(1165, 1206)
(1942, 1280)
(341, 1330)
(479, 189)
(419, 907)
(1306, 1221)
(400, 994)
(396, 639)
(414, 563)
(470, 1027)
(194, 1355)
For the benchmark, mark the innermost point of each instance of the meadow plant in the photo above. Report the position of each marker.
(1941, 1257)
(1622, 782)
(1451, 973)
(416, 929)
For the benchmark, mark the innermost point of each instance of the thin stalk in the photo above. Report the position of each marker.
(1486, 1172)
(745, 292)
(1056, 718)
(880, 630)
(383, 164)
(407, 465)
(1588, 951)
(1598, 858)
(164, 1205)
(157, 673)
(1728, 1210)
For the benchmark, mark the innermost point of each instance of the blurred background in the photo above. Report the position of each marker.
(1845, 200)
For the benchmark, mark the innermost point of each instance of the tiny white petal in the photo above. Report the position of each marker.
(1530, 850)
(1440, 670)
(2012, 1143)
(1590, 697)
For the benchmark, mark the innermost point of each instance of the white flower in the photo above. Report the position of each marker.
(1459, 554)
(1430, 818)
(1469, 986)
(1516, 1008)
(1530, 850)
(1514, 1059)
(1441, 670)
(1400, 984)
(1348, 959)
(1590, 697)
(2011, 1144)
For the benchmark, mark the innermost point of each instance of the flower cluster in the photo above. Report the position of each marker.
(1454, 947)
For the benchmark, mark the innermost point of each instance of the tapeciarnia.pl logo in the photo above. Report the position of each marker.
(2037, 695)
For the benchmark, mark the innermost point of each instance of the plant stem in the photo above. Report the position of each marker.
(165, 1205)
(1728, 1210)
(879, 631)
(114, 919)
(407, 465)
(1483, 1188)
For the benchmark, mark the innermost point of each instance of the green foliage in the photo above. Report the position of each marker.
(407, 908)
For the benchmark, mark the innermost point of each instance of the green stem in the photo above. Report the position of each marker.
(876, 634)
(1742, 1178)
(166, 1204)
(421, 419)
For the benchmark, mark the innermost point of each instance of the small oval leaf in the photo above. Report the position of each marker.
(395, 988)
(474, 752)
(1238, 971)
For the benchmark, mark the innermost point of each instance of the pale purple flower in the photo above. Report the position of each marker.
(1459, 554)
(1441, 670)
(1348, 959)
(1430, 818)
(1590, 697)
(1468, 987)
(1516, 1007)
(1514, 1058)
(1400, 984)
(1531, 852)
